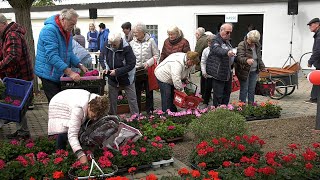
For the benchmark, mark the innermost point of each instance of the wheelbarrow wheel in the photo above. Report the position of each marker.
(280, 90)
(290, 89)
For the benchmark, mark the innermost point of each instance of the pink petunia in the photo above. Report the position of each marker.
(16, 102)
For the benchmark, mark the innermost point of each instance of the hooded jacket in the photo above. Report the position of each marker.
(67, 111)
(122, 60)
(15, 61)
(54, 51)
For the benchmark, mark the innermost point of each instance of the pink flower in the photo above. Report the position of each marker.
(171, 145)
(14, 142)
(30, 145)
(2, 164)
(108, 154)
(143, 149)
(124, 153)
(157, 138)
(171, 127)
(8, 99)
(16, 102)
(58, 160)
(133, 153)
(120, 97)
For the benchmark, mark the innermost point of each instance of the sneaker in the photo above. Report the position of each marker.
(19, 135)
(31, 106)
(311, 101)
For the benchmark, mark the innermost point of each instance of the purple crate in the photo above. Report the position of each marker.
(20, 89)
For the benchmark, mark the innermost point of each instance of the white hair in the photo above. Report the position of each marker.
(176, 30)
(114, 37)
(68, 14)
(253, 36)
(223, 26)
(200, 31)
(140, 27)
(208, 33)
(3, 19)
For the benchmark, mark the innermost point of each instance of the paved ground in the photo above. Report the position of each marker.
(293, 106)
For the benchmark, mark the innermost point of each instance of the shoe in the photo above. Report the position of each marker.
(311, 101)
(19, 135)
(31, 106)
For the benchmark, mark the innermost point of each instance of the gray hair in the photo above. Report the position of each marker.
(77, 31)
(253, 36)
(3, 19)
(114, 37)
(200, 31)
(223, 26)
(210, 37)
(68, 14)
(175, 29)
(140, 27)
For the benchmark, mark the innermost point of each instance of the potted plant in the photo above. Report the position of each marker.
(123, 105)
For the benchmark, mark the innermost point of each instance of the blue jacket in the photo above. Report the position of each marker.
(103, 38)
(123, 61)
(54, 54)
(93, 43)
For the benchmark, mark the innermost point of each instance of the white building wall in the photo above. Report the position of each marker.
(276, 32)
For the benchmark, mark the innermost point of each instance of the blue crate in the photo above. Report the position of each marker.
(20, 89)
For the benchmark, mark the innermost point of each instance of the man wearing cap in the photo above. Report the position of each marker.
(314, 26)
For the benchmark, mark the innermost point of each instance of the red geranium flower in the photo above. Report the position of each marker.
(195, 173)
(183, 171)
(226, 163)
(309, 166)
(202, 165)
(250, 171)
(151, 177)
(58, 174)
(132, 170)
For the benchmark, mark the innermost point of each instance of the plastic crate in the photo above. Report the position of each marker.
(93, 84)
(20, 89)
(182, 100)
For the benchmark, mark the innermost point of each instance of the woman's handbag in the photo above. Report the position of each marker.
(152, 80)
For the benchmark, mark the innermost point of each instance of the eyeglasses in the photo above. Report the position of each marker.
(228, 32)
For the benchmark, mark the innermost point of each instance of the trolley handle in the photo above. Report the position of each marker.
(194, 85)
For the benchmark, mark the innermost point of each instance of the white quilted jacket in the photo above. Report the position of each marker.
(67, 111)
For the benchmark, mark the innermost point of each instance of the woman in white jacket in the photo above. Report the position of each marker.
(146, 52)
(68, 110)
(171, 72)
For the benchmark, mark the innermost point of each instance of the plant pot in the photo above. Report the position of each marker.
(158, 164)
(173, 140)
(102, 176)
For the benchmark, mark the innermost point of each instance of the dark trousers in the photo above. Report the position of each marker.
(203, 84)
(167, 95)
(142, 84)
(208, 89)
(221, 92)
(62, 141)
(50, 88)
(314, 91)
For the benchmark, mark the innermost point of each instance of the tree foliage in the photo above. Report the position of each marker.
(39, 3)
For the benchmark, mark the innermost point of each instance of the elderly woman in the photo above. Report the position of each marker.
(170, 74)
(208, 78)
(119, 64)
(68, 110)
(174, 43)
(92, 38)
(248, 65)
(146, 52)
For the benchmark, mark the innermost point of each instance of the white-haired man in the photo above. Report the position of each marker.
(54, 55)
(119, 64)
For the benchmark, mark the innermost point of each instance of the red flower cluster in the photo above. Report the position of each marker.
(185, 173)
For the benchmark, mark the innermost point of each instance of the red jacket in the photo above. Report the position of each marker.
(178, 45)
(15, 59)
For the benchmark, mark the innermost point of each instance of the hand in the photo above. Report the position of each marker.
(112, 72)
(309, 65)
(250, 61)
(205, 75)
(231, 53)
(75, 76)
(83, 68)
(265, 70)
(146, 66)
(83, 160)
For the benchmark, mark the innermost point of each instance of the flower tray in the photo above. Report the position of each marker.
(162, 163)
(174, 140)
(19, 89)
(124, 170)
(253, 118)
(93, 84)
(124, 108)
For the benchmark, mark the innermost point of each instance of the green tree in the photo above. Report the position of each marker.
(39, 3)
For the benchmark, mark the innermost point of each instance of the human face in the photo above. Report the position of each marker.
(68, 24)
(138, 34)
(2, 27)
(314, 27)
(172, 36)
(189, 63)
(91, 27)
(91, 115)
(197, 35)
(126, 31)
(115, 44)
(226, 32)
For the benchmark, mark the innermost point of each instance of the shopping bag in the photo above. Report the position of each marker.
(235, 84)
(152, 80)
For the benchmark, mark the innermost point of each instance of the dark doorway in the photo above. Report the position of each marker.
(240, 29)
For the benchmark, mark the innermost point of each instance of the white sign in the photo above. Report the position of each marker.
(231, 17)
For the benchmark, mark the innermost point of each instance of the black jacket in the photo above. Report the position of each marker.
(315, 57)
(218, 62)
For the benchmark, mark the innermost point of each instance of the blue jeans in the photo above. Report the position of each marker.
(167, 95)
(247, 88)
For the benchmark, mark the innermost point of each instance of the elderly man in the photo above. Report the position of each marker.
(219, 65)
(119, 65)
(15, 62)
(200, 46)
(54, 55)
(314, 26)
